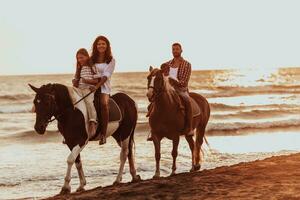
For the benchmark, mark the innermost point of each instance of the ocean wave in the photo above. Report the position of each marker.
(15, 109)
(16, 97)
(255, 114)
(29, 135)
(26, 107)
(9, 184)
(225, 107)
(257, 125)
(144, 128)
(233, 91)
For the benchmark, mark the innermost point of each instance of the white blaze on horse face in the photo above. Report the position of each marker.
(150, 89)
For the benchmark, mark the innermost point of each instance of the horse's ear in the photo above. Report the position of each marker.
(33, 88)
(150, 69)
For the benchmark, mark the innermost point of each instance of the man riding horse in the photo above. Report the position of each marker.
(179, 71)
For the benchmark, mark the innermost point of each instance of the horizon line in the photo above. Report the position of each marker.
(120, 72)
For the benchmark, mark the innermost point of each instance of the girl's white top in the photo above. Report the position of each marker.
(173, 73)
(104, 69)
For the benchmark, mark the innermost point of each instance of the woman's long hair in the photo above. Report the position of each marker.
(84, 52)
(95, 54)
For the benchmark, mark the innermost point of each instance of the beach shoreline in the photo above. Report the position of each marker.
(276, 177)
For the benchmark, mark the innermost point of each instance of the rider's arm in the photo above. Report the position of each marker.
(91, 81)
(106, 74)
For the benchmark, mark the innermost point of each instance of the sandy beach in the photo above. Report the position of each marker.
(272, 178)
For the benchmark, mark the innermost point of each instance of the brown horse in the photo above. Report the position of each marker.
(54, 100)
(167, 119)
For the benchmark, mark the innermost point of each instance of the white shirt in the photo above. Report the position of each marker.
(104, 69)
(173, 73)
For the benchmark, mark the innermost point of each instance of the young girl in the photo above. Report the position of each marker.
(84, 81)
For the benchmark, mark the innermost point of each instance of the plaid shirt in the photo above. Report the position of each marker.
(183, 74)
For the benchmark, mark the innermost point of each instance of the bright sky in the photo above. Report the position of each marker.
(42, 36)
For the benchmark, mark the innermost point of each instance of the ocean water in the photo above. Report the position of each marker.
(255, 114)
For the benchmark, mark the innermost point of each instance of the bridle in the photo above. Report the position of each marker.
(156, 92)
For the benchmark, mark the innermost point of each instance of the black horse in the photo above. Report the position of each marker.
(53, 100)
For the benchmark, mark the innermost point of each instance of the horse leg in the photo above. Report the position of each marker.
(123, 156)
(199, 141)
(66, 189)
(135, 177)
(81, 176)
(174, 154)
(156, 142)
(190, 140)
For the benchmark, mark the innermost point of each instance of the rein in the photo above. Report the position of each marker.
(157, 94)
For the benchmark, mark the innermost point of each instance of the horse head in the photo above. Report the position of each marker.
(156, 83)
(44, 106)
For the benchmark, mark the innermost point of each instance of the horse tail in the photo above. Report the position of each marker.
(200, 130)
(206, 142)
(131, 144)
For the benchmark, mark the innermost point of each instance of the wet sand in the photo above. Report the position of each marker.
(273, 178)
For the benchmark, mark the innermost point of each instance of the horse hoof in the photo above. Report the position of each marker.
(116, 183)
(137, 178)
(156, 176)
(173, 174)
(80, 189)
(65, 191)
(197, 167)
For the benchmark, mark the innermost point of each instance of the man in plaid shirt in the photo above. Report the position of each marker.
(179, 72)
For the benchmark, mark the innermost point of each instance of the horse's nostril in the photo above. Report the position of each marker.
(40, 129)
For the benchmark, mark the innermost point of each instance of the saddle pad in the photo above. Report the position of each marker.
(114, 111)
(195, 108)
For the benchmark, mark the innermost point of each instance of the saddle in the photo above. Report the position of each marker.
(195, 108)
(114, 110)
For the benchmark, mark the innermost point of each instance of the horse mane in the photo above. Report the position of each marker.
(61, 93)
(170, 90)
